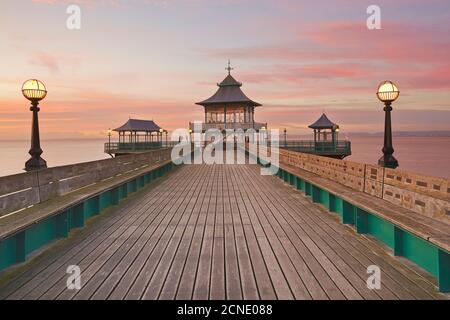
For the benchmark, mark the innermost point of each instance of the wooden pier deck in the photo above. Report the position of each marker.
(219, 232)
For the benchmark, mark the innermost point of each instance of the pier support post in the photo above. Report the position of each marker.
(62, 225)
(444, 271)
(332, 202)
(77, 218)
(315, 194)
(348, 213)
(361, 221)
(398, 242)
(308, 188)
(114, 194)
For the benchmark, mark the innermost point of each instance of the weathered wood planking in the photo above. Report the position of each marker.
(220, 232)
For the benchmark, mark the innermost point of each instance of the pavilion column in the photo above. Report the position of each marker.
(225, 116)
(253, 117)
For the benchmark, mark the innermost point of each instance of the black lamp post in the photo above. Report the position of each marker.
(34, 90)
(388, 93)
(285, 138)
(109, 137)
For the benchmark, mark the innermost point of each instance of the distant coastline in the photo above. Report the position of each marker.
(441, 133)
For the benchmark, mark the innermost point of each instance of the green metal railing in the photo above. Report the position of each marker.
(115, 147)
(318, 147)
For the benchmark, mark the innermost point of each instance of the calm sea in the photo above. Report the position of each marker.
(427, 155)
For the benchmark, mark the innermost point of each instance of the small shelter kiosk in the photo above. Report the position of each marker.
(325, 130)
(326, 141)
(136, 131)
(136, 136)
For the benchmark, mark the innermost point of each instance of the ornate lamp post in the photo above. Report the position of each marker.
(34, 90)
(285, 138)
(109, 138)
(388, 93)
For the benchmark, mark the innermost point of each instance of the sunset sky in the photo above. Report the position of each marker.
(153, 59)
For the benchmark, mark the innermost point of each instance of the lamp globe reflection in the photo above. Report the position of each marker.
(388, 93)
(34, 90)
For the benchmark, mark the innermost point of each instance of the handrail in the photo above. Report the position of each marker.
(23, 190)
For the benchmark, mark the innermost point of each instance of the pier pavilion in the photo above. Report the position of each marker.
(326, 141)
(229, 108)
(136, 136)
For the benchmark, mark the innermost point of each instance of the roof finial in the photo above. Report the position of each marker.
(229, 68)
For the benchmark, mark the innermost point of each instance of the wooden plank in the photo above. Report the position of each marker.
(232, 274)
(104, 280)
(91, 265)
(217, 285)
(172, 263)
(134, 284)
(189, 273)
(36, 277)
(247, 277)
(403, 293)
(221, 232)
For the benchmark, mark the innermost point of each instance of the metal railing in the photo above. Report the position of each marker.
(230, 125)
(318, 147)
(117, 147)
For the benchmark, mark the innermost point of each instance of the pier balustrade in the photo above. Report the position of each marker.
(408, 212)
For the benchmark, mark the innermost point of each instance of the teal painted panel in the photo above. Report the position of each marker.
(348, 213)
(361, 221)
(114, 196)
(131, 186)
(300, 184)
(39, 234)
(444, 271)
(339, 206)
(76, 216)
(332, 200)
(8, 249)
(123, 191)
(105, 200)
(292, 179)
(62, 225)
(308, 189)
(421, 252)
(92, 207)
(325, 198)
(315, 194)
(141, 182)
(381, 229)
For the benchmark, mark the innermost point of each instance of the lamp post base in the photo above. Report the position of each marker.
(388, 161)
(35, 164)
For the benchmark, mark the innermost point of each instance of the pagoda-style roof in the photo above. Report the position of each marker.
(137, 125)
(323, 123)
(229, 92)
